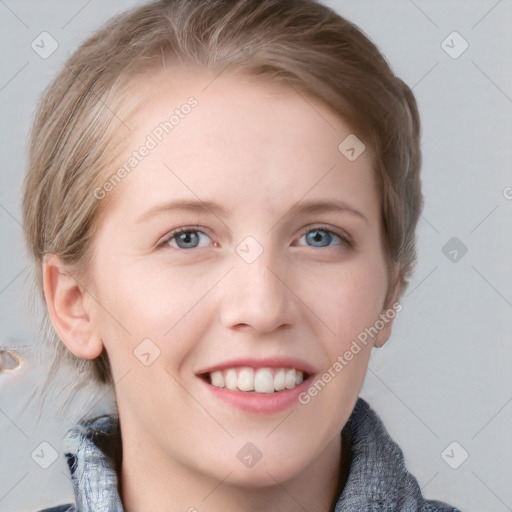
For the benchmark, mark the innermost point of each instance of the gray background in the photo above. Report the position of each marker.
(445, 375)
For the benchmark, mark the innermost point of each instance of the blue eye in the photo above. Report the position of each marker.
(187, 239)
(322, 238)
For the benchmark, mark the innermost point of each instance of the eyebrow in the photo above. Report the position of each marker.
(324, 206)
(185, 205)
(300, 208)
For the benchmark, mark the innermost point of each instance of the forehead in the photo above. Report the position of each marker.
(241, 140)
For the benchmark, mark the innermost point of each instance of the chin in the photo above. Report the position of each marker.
(263, 474)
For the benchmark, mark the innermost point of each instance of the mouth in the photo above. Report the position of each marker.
(265, 386)
(265, 380)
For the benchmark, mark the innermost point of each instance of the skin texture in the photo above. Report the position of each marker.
(258, 149)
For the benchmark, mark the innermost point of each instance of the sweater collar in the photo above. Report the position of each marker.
(377, 477)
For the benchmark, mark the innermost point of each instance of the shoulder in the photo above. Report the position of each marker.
(60, 508)
(438, 506)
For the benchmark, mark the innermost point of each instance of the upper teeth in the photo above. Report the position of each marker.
(263, 380)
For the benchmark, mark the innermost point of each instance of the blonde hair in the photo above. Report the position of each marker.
(73, 140)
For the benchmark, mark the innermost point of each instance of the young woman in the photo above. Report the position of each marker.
(221, 203)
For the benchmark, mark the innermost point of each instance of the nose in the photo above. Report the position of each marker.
(257, 296)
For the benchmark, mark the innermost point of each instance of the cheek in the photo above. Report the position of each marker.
(140, 302)
(142, 296)
(348, 298)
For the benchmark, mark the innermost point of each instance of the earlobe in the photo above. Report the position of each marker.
(390, 309)
(383, 336)
(69, 309)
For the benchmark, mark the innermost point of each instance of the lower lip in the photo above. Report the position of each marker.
(261, 403)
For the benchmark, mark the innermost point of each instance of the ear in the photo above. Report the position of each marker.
(69, 308)
(391, 307)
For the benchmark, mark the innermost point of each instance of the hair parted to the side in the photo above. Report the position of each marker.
(74, 142)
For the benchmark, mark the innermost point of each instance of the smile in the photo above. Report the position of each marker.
(262, 380)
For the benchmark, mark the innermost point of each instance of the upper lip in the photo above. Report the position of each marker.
(269, 362)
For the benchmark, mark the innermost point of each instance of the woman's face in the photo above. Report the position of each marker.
(280, 266)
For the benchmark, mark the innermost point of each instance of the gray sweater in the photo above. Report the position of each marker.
(377, 479)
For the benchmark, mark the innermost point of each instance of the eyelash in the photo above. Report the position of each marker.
(345, 239)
